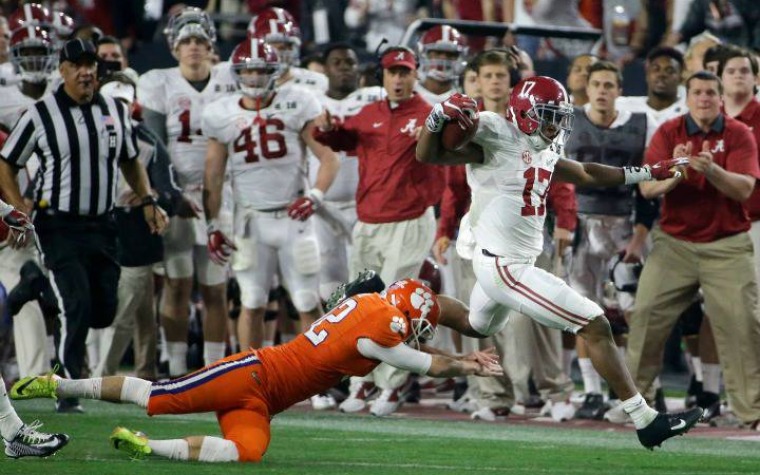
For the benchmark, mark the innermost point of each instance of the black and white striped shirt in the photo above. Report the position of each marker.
(79, 148)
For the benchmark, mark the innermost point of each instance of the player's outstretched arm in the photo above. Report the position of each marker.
(445, 367)
(429, 150)
(600, 176)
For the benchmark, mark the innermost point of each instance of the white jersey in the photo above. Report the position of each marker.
(509, 189)
(311, 80)
(8, 74)
(430, 97)
(344, 186)
(167, 92)
(265, 158)
(639, 104)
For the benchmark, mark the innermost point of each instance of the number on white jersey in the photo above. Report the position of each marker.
(184, 120)
(271, 143)
(342, 310)
(543, 178)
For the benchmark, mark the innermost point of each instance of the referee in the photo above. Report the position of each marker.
(79, 138)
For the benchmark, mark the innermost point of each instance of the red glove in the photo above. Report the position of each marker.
(304, 206)
(665, 169)
(18, 221)
(220, 247)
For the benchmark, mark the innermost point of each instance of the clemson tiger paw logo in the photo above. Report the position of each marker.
(398, 325)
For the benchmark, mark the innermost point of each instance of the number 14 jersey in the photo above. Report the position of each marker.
(265, 152)
(509, 189)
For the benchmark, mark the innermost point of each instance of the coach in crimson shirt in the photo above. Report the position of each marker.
(702, 242)
(395, 196)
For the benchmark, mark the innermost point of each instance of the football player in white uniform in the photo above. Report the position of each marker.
(263, 133)
(510, 165)
(337, 216)
(173, 101)
(442, 51)
(34, 56)
(278, 28)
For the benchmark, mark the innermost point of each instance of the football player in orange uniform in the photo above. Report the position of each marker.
(247, 389)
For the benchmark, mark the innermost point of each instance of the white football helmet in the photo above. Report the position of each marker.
(189, 22)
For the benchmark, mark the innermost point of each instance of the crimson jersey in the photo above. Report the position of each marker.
(319, 358)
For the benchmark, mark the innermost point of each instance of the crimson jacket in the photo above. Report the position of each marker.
(393, 185)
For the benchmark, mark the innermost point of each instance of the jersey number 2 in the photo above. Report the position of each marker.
(533, 175)
(339, 313)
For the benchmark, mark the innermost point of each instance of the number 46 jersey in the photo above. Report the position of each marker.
(265, 153)
(509, 189)
(167, 92)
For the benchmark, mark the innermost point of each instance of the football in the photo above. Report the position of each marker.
(453, 137)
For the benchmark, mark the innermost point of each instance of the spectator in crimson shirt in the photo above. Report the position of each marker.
(395, 196)
(702, 242)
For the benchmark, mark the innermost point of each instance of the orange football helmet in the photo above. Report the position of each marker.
(418, 303)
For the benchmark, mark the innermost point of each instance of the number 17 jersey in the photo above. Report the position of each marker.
(509, 189)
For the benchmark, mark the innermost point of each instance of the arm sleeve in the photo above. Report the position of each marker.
(399, 356)
(21, 142)
(563, 202)
(156, 122)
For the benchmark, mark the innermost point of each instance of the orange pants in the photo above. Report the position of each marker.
(233, 388)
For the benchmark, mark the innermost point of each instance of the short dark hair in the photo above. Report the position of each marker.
(107, 40)
(666, 51)
(704, 76)
(738, 53)
(333, 47)
(312, 59)
(606, 66)
(491, 57)
(715, 53)
(470, 66)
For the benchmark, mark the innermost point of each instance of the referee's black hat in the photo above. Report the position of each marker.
(77, 49)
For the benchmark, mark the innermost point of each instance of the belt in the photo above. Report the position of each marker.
(272, 212)
(489, 254)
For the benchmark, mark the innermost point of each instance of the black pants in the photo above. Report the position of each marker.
(80, 253)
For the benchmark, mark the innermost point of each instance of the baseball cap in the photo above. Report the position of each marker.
(76, 49)
(399, 57)
(119, 90)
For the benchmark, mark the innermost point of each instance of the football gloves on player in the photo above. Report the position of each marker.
(220, 247)
(458, 107)
(303, 207)
(17, 223)
(665, 169)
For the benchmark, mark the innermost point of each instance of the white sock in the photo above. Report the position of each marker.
(592, 382)
(640, 412)
(657, 384)
(234, 344)
(136, 391)
(175, 449)
(567, 361)
(711, 378)
(84, 388)
(267, 343)
(696, 364)
(177, 351)
(215, 449)
(286, 337)
(212, 351)
(10, 423)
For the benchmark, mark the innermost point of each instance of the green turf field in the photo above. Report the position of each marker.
(312, 443)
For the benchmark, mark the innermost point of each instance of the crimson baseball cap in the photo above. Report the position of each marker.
(77, 49)
(399, 57)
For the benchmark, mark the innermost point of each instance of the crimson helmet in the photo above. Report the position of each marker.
(33, 53)
(276, 27)
(255, 55)
(29, 14)
(189, 22)
(419, 305)
(430, 275)
(539, 107)
(445, 39)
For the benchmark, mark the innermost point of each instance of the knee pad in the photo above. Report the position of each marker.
(214, 449)
(251, 296)
(305, 300)
(179, 265)
(306, 256)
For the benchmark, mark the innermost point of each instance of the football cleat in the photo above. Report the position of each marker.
(665, 426)
(360, 394)
(490, 414)
(33, 387)
(593, 407)
(135, 444)
(29, 442)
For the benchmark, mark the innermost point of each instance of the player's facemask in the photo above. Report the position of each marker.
(554, 122)
(257, 82)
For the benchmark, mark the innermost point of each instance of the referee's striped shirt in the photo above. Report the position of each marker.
(79, 148)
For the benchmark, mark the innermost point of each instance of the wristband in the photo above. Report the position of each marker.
(5, 209)
(213, 225)
(635, 175)
(316, 195)
(148, 200)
